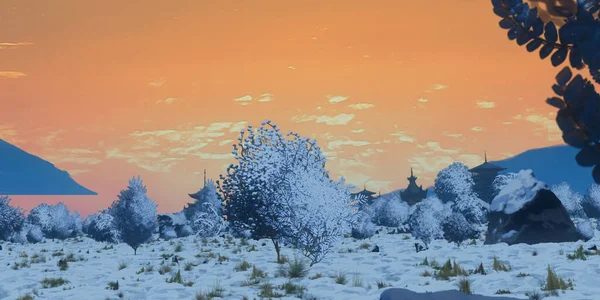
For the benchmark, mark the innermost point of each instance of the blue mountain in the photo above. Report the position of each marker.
(552, 165)
(22, 173)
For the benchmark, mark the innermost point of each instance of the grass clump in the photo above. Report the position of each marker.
(357, 281)
(425, 273)
(164, 269)
(296, 268)
(62, 265)
(122, 265)
(316, 276)
(340, 278)
(188, 266)
(502, 292)
(382, 284)
(178, 247)
(449, 269)
(523, 275)
(267, 290)
(53, 282)
(292, 289)
(555, 282)
(242, 266)
(534, 295)
(26, 297)
(499, 266)
(175, 278)
(37, 258)
(464, 285)
(480, 270)
(364, 246)
(578, 254)
(113, 285)
(257, 273)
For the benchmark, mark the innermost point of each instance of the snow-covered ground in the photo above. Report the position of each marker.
(396, 264)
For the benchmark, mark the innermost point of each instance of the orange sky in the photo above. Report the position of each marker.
(111, 89)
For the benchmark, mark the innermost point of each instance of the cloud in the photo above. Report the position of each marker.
(225, 142)
(507, 123)
(245, 98)
(351, 163)
(437, 87)
(79, 151)
(12, 74)
(341, 119)
(187, 150)
(477, 128)
(452, 135)
(157, 83)
(219, 126)
(148, 160)
(423, 100)
(337, 144)
(82, 160)
(361, 106)
(431, 164)
(471, 160)
(433, 147)
(545, 123)
(51, 138)
(337, 99)
(9, 45)
(74, 172)
(291, 67)
(357, 130)
(403, 136)
(9, 134)
(169, 100)
(485, 104)
(237, 127)
(214, 156)
(266, 97)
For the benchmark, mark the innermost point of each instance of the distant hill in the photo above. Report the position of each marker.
(22, 173)
(552, 165)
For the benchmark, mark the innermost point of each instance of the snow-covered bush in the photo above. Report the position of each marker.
(390, 211)
(208, 194)
(11, 218)
(591, 202)
(134, 214)
(173, 225)
(364, 227)
(472, 208)
(453, 181)
(501, 181)
(585, 228)
(571, 200)
(457, 229)
(55, 221)
(35, 234)
(101, 228)
(426, 220)
(279, 189)
(206, 221)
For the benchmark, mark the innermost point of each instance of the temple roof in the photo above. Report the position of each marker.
(366, 192)
(486, 166)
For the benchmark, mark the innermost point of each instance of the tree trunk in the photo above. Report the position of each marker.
(135, 251)
(277, 249)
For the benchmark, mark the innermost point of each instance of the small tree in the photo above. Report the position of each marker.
(11, 218)
(206, 220)
(457, 229)
(453, 181)
(101, 228)
(55, 221)
(134, 214)
(389, 211)
(427, 219)
(570, 199)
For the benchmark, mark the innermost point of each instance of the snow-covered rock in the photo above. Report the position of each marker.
(526, 211)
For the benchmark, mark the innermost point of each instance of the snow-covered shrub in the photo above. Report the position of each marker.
(501, 181)
(472, 208)
(457, 229)
(591, 202)
(172, 225)
(426, 220)
(134, 214)
(35, 234)
(208, 194)
(11, 218)
(101, 228)
(363, 228)
(206, 221)
(586, 229)
(571, 200)
(453, 181)
(390, 211)
(279, 189)
(55, 221)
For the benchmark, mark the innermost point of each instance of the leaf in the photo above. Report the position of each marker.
(556, 102)
(575, 58)
(537, 28)
(576, 138)
(588, 157)
(546, 50)
(506, 23)
(550, 33)
(523, 38)
(500, 12)
(564, 76)
(596, 174)
(513, 33)
(534, 45)
(559, 56)
(565, 121)
(559, 90)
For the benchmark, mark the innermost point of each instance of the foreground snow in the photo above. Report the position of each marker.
(396, 264)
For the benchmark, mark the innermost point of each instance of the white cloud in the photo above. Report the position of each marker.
(291, 67)
(225, 142)
(218, 126)
(431, 164)
(351, 163)
(486, 104)
(157, 83)
(341, 119)
(423, 100)
(12, 74)
(187, 150)
(336, 144)
(432, 147)
(546, 124)
(237, 127)
(357, 130)
(13, 45)
(214, 156)
(361, 106)
(74, 172)
(477, 128)
(452, 135)
(266, 97)
(244, 98)
(403, 136)
(169, 100)
(337, 99)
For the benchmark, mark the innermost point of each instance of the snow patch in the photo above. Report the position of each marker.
(518, 192)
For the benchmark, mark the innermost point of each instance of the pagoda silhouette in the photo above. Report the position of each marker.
(483, 177)
(413, 194)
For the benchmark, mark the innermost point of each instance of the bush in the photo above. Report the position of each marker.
(457, 229)
(571, 200)
(55, 221)
(453, 181)
(390, 211)
(11, 218)
(134, 214)
(364, 227)
(591, 202)
(426, 220)
(101, 228)
(35, 234)
(586, 229)
(206, 221)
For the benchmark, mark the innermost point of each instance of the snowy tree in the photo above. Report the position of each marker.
(453, 181)
(134, 214)
(206, 221)
(363, 227)
(11, 218)
(280, 189)
(585, 228)
(34, 234)
(591, 201)
(457, 229)
(454, 184)
(501, 181)
(571, 200)
(101, 228)
(208, 194)
(427, 219)
(55, 221)
(389, 211)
